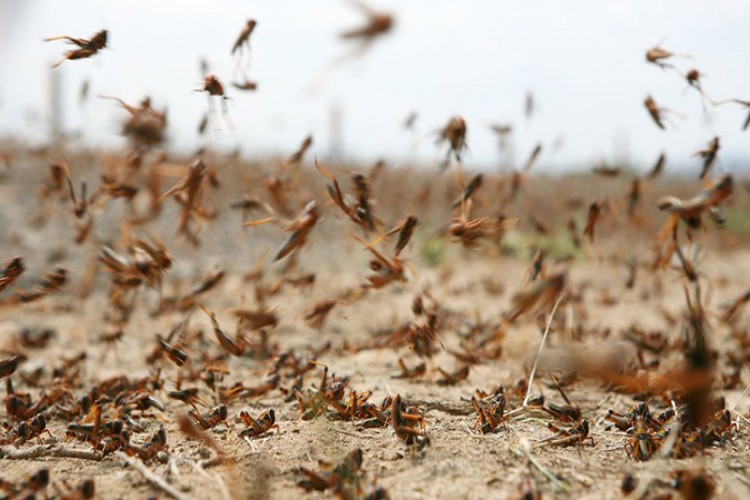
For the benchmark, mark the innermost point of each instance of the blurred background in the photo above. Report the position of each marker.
(582, 63)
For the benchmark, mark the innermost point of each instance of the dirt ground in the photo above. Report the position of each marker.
(470, 287)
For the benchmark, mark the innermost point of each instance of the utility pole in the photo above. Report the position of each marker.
(55, 106)
(335, 134)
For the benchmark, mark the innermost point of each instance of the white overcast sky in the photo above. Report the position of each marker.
(583, 61)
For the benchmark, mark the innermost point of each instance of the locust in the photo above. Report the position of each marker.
(655, 111)
(454, 134)
(378, 24)
(657, 55)
(214, 89)
(243, 40)
(709, 157)
(235, 347)
(658, 167)
(257, 427)
(10, 272)
(86, 48)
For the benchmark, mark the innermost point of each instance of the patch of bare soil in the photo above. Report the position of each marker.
(333, 385)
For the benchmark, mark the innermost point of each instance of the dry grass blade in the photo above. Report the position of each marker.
(41, 451)
(154, 480)
(541, 347)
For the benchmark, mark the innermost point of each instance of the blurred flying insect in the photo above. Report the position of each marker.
(409, 373)
(213, 87)
(692, 210)
(317, 314)
(344, 478)
(187, 301)
(80, 205)
(469, 231)
(410, 120)
(28, 488)
(709, 156)
(188, 193)
(203, 124)
(473, 185)
(363, 198)
(358, 210)
(303, 282)
(300, 229)
(86, 48)
(236, 346)
(657, 113)
(51, 281)
(243, 40)
(84, 490)
(632, 273)
(9, 365)
(658, 167)
(503, 132)
(146, 125)
(453, 378)
(573, 232)
(385, 270)
(657, 55)
(532, 158)
(174, 353)
(501, 129)
(539, 297)
(195, 426)
(146, 262)
(595, 210)
(246, 85)
(745, 104)
(298, 155)
(734, 309)
(606, 170)
(537, 266)
(249, 204)
(83, 93)
(378, 24)
(454, 133)
(693, 78)
(10, 272)
(518, 176)
(634, 197)
(405, 230)
(529, 105)
(255, 319)
(527, 490)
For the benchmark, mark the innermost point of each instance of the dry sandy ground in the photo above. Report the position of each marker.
(459, 462)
